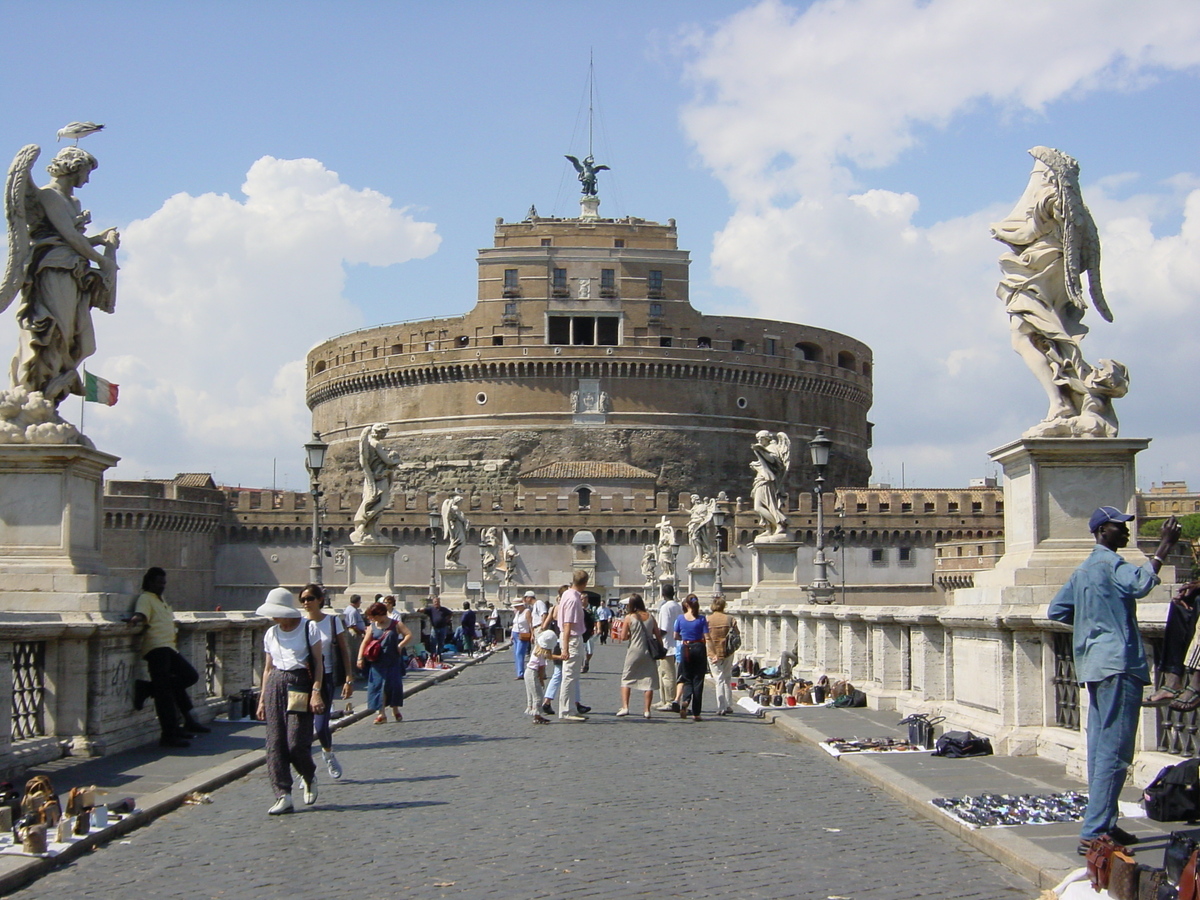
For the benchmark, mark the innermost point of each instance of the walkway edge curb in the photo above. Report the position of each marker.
(1039, 866)
(17, 872)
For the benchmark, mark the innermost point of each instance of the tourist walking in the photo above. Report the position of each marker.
(691, 629)
(571, 625)
(669, 610)
(640, 672)
(1099, 602)
(467, 626)
(535, 674)
(495, 629)
(552, 689)
(440, 621)
(522, 635)
(381, 657)
(720, 660)
(603, 617)
(170, 674)
(291, 694)
(356, 625)
(339, 670)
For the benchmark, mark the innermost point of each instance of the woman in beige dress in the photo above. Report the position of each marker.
(641, 670)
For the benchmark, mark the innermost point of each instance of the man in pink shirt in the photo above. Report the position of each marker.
(571, 625)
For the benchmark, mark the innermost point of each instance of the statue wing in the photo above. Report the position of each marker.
(785, 451)
(578, 166)
(364, 449)
(18, 195)
(447, 516)
(601, 169)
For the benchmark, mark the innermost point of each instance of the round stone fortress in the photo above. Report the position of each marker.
(583, 347)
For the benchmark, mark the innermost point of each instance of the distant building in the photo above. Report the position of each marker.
(1171, 498)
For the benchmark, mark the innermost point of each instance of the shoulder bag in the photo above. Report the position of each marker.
(373, 648)
(733, 639)
(654, 644)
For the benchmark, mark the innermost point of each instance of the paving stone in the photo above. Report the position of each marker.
(467, 799)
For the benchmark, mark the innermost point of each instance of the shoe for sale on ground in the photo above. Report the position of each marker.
(281, 806)
(573, 717)
(332, 765)
(310, 790)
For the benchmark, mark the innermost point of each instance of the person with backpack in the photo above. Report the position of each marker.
(1099, 603)
(720, 655)
(381, 657)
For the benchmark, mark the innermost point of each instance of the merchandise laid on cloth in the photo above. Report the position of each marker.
(36, 823)
(989, 810)
(767, 689)
(836, 747)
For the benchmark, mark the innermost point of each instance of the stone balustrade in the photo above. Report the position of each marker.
(66, 680)
(1004, 672)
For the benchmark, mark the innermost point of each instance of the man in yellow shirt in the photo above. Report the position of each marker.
(170, 674)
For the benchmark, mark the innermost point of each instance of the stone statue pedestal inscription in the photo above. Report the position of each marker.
(1051, 488)
(454, 586)
(370, 570)
(702, 580)
(51, 521)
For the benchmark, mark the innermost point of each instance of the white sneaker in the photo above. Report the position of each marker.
(281, 806)
(331, 764)
(310, 790)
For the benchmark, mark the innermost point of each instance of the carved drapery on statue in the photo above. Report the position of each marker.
(1053, 243)
(60, 274)
(454, 530)
(667, 548)
(772, 458)
(379, 472)
(702, 532)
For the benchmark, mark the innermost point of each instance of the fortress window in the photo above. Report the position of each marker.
(619, 243)
(608, 282)
(878, 556)
(654, 283)
(704, 343)
(905, 554)
(929, 506)
(846, 360)
(545, 242)
(976, 506)
(769, 346)
(585, 497)
(560, 278)
(952, 506)
(664, 341)
(905, 507)
(397, 349)
(655, 309)
(810, 352)
(497, 340)
(737, 345)
(511, 284)
(583, 331)
(885, 506)
(866, 369)
(319, 367)
(462, 341)
(510, 309)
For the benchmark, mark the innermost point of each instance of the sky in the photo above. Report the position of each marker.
(284, 172)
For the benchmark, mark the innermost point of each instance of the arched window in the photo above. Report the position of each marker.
(809, 351)
(846, 360)
(585, 497)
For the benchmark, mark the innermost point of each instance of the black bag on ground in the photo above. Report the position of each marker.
(920, 729)
(1174, 794)
(854, 698)
(960, 744)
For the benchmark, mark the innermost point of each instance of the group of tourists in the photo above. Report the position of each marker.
(670, 651)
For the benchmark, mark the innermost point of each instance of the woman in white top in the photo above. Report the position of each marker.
(291, 693)
(334, 645)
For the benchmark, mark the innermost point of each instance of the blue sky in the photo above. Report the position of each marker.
(831, 163)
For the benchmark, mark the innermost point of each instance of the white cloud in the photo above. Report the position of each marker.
(793, 111)
(219, 297)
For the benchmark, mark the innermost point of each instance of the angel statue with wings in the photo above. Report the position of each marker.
(587, 173)
(1052, 243)
(60, 272)
(772, 457)
(454, 530)
(379, 474)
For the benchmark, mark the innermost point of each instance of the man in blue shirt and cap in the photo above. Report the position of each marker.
(1099, 601)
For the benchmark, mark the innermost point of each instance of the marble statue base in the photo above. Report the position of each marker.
(1051, 488)
(702, 580)
(774, 574)
(51, 522)
(454, 586)
(370, 570)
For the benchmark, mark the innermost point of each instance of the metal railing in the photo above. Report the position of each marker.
(29, 689)
(1066, 689)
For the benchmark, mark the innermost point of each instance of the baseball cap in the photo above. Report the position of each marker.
(530, 594)
(1107, 514)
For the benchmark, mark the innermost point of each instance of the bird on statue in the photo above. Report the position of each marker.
(77, 130)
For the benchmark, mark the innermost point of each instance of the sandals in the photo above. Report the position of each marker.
(1172, 694)
(539, 719)
(380, 719)
(1187, 703)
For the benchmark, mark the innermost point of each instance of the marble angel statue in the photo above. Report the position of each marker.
(454, 530)
(379, 473)
(772, 458)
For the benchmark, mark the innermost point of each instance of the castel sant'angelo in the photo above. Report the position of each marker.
(583, 361)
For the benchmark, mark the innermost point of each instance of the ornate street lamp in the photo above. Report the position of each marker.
(820, 591)
(719, 522)
(435, 526)
(314, 461)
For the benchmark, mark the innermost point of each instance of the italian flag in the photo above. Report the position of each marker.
(97, 390)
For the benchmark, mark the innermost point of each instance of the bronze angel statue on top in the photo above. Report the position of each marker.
(587, 173)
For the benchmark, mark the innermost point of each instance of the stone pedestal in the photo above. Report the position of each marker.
(774, 577)
(51, 520)
(702, 580)
(370, 570)
(454, 587)
(1051, 488)
(589, 208)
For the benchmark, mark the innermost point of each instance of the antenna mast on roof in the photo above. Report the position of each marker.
(589, 203)
(591, 84)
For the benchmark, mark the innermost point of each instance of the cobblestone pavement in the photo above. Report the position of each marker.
(467, 798)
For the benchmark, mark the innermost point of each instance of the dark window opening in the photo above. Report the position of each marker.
(510, 309)
(655, 309)
(462, 341)
(560, 278)
(619, 242)
(607, 330)
(583, 330)
(906, 554)
(608, 282)
(737, 345)
(585, 497)
(810, 352)
(769, 346)
(559, 330)
(846, 360)
(704, 343)
(545, 242)
(654, 283)
(664, 341)
(497, 340)
(511, 283)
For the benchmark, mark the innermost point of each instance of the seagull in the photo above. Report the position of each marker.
(79, 130)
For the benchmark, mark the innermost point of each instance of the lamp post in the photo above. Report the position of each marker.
(820, 591)
(435, 525)
(719, 522)
(314, 453)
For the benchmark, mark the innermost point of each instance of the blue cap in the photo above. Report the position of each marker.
(1107, 514)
